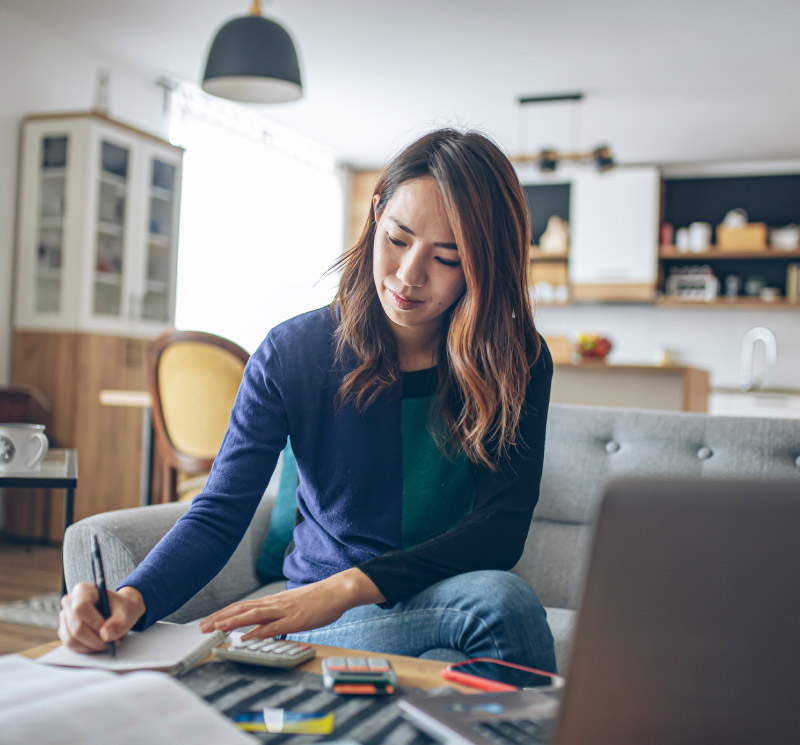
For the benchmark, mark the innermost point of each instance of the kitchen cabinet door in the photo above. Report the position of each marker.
(614, 248)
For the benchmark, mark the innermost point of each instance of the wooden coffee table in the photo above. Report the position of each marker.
(411, 671)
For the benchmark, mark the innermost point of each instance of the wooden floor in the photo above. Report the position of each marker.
(25, 572)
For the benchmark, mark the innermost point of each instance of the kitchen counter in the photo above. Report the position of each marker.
(668, 387)
(783, 403)
(768, 391)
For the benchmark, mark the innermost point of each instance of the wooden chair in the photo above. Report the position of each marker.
(194, 378)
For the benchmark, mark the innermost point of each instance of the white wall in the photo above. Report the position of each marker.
(43, 72)
(708, 338)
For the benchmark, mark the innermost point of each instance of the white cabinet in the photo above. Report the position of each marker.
(782, 405)
(614, 225)
(98, 227)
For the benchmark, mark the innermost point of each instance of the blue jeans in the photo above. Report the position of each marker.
(477, 614)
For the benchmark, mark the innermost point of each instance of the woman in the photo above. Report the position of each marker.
(417, 406)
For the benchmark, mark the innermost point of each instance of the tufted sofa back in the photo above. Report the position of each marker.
(587, 445)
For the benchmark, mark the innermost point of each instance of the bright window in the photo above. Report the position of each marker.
(262, 218)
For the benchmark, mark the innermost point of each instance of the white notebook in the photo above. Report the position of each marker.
(168, 647)
(53, 706)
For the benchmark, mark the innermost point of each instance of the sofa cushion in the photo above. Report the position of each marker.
(269, 565)
(562, 623)
(588, 445)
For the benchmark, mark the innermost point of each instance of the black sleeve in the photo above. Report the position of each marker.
(493, 535)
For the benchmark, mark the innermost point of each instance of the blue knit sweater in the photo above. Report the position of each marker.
(368, 496)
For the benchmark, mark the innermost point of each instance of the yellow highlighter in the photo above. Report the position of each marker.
(289, 722)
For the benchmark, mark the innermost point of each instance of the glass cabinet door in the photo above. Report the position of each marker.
(50, 224)
(109, 260)
(160, 248)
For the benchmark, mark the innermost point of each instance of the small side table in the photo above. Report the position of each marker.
(59, 471)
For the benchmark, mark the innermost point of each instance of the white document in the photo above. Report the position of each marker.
(169, 647)
(49, 706)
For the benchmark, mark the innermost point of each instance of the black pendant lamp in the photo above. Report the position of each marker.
(253, 59)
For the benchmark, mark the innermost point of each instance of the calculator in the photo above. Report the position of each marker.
(268, 652)
(372, 676)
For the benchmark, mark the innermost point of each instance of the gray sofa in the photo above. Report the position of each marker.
(585, 446)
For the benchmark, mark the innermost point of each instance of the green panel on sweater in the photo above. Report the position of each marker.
(438, 493)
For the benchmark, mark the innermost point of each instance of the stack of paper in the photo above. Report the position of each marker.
(51, 706)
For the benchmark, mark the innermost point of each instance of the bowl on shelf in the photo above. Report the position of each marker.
(591, 347)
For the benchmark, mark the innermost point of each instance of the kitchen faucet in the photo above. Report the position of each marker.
(747, 381)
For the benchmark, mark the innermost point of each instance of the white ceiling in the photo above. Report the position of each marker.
(665, 80)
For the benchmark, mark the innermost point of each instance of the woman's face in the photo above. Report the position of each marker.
(416, 266)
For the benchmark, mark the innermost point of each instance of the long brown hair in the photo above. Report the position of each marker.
(489, 344)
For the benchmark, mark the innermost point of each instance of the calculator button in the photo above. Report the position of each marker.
(357, 665)
(295, 651)
(378, 665)
(336, 663)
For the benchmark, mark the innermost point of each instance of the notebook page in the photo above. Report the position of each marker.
(161, 647)
(142, 707)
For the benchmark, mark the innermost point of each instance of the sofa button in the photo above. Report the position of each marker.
(797, 461)
(612, 446)
(704, 453)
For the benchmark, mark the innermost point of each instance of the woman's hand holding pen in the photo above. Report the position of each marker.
(82, 628)
(300, 609)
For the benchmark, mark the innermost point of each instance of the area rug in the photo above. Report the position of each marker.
(40, 611)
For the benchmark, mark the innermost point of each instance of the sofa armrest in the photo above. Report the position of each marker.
(127, 536)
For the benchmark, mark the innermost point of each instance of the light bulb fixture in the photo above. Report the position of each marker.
(253, 59)
(547, 160)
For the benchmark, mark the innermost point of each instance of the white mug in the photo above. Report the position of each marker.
(699, 236)
(22, 448)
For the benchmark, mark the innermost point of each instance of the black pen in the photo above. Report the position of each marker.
(100, 583)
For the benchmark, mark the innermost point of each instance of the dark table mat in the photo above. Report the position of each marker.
(369, 720)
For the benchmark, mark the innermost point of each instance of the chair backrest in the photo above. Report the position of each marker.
(194, 377)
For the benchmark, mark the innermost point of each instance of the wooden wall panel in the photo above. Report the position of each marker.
(362, 188)
(71, 369)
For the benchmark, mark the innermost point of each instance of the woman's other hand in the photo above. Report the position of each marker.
(81, 626)
(300, 609)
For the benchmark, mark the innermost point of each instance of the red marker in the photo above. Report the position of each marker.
(474, 681)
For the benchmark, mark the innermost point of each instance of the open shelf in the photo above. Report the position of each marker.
(670, 252)
(536, 254)
(722, 302)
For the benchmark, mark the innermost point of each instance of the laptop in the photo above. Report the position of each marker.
(688, 631)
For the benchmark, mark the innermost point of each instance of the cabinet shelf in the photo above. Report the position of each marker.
(118, 182)
(51, 223)
(162, 194)
(54, 173)
(158, 239)
(722, 302)
(536, 254)
(110, 228)
(156, 285)
(669, 252)
(108, 278)
(48, 273)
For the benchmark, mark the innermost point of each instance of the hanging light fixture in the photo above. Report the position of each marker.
(253, 59)
(548, 159)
